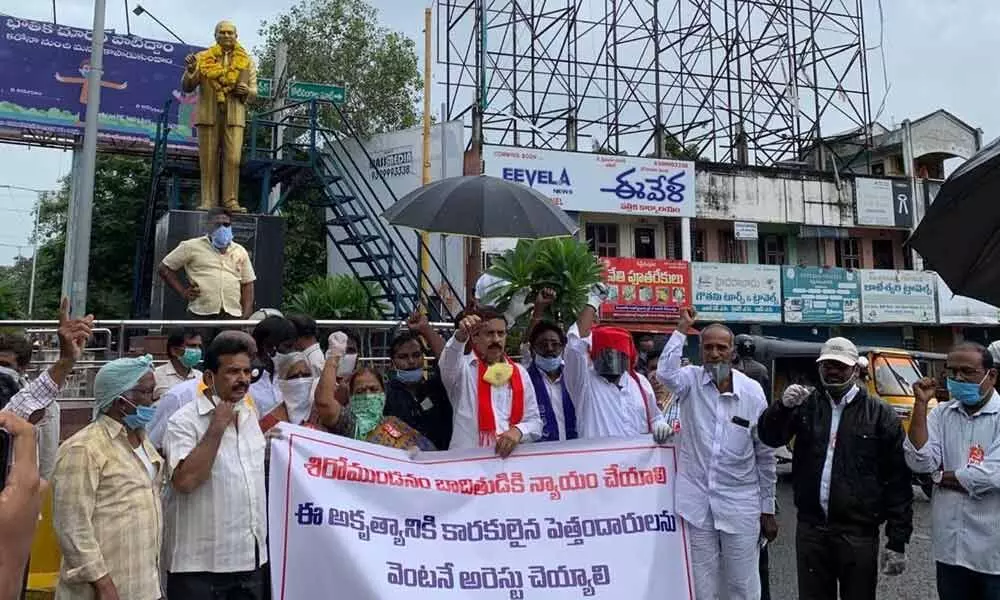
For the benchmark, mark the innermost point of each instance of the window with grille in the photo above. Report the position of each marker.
(883, 256)
(771, 249)
(700, 255)
(603, 239)
(730, 248)
(849, 253)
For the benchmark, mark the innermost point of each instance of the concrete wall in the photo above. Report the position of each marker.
(745, 195)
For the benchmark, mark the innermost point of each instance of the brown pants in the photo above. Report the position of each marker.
(209, 138)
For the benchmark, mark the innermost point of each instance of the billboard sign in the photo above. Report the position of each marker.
(897, 297)
(605, 183)
(962, 310)
(821, 295)
(734, 292)
(884, 202)
(641, 289)
(45, 87)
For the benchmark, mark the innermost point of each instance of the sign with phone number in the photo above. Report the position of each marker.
(587, 182)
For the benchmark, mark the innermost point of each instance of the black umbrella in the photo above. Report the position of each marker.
(959, 237)
(480, 206)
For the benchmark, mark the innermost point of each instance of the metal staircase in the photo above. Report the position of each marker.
(353, 197)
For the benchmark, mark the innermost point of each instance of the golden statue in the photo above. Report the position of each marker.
(227, 79)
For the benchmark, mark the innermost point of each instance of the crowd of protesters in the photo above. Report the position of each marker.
(163, 494)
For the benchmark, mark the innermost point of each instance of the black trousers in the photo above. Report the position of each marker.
(829, 557)
(245, 585)
(959, 583)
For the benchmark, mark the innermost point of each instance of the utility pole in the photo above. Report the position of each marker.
(425, 239)
(78, 225)
(278, 102)
(34, 243)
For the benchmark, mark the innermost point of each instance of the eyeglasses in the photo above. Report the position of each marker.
(963, 373)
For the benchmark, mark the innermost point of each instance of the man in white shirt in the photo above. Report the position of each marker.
(492, 398)
(555, 406)
(610, 397)
(275, 340)
(725, 475)
(307, 343)
(959, 444)
(183, 353)
(216, 523)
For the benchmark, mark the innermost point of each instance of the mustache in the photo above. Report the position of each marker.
(495, 347)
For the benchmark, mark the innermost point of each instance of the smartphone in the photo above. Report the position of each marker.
(6, 455)
(348, 362)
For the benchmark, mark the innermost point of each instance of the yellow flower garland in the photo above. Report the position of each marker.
(223, 79)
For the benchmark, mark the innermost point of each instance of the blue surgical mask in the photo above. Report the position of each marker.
(548, 364)
(191, 357)
(222, 236)
(966, 392)
(142, 416)
(409, 375)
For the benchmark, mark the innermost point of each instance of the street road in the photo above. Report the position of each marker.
(917, 583)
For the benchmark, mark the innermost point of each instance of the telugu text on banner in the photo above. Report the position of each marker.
(579, 519)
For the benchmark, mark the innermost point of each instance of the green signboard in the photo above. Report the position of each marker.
(264, 88)
(303, 90)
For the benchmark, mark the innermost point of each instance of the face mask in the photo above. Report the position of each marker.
(283, 361)
(367, 412)
(297, 396)
(191, 357)
(719, 372)
(548, 364)
(409, 375)
(837, 389)
(222, 236)
(966, 392)
(498, 374)
(140, 418)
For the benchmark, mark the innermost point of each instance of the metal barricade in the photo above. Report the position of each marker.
(113, 335)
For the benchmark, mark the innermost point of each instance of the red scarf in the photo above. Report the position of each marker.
(487, 421)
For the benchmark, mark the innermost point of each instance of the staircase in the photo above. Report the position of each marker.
(353, 199)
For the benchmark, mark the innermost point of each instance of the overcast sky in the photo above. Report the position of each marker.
(936, 56)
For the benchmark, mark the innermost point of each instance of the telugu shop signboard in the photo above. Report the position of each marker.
(737, 293)
(641, 289)
(606, 183)
(897, 297)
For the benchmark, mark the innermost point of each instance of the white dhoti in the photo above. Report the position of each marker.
(724, 565)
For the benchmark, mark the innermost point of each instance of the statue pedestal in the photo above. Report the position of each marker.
(263, 236)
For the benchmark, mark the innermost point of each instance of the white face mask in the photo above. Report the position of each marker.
(297, 394)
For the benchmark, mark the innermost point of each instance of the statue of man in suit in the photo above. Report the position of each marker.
(226, 79)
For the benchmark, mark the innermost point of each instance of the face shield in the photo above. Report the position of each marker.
(611, 364)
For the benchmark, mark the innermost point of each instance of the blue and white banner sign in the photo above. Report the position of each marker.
(606, 183)
(734, 293)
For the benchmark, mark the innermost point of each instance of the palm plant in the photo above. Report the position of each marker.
(565, 265)
(336, 297)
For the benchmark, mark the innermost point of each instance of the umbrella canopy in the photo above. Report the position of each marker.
(481, 206)
(959, 237)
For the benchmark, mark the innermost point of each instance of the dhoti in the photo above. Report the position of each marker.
(724, 565)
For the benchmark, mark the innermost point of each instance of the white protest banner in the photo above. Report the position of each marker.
(897, 297)
(608, 183)
(577, 519)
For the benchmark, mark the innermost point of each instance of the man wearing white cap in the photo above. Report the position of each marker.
(850, 477)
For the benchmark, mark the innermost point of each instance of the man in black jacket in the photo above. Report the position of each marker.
(850, 477)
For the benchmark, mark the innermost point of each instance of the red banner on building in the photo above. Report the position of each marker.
(640, 288)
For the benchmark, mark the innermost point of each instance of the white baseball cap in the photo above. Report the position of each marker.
(839, 349)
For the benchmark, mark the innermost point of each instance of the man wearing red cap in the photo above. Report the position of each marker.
(725, 475)
(610, 398)
(492, 398)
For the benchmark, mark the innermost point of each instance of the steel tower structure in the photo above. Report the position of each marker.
(745, 81)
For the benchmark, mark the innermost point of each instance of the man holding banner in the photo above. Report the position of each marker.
(492, 396)
(726, 476)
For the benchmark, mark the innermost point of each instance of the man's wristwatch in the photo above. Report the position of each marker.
(937, 476)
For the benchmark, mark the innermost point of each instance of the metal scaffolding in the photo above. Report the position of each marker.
(742, 81)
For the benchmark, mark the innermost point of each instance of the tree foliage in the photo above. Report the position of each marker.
(121, 185)
(564, 264)
(335, 297)
(339, 41)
